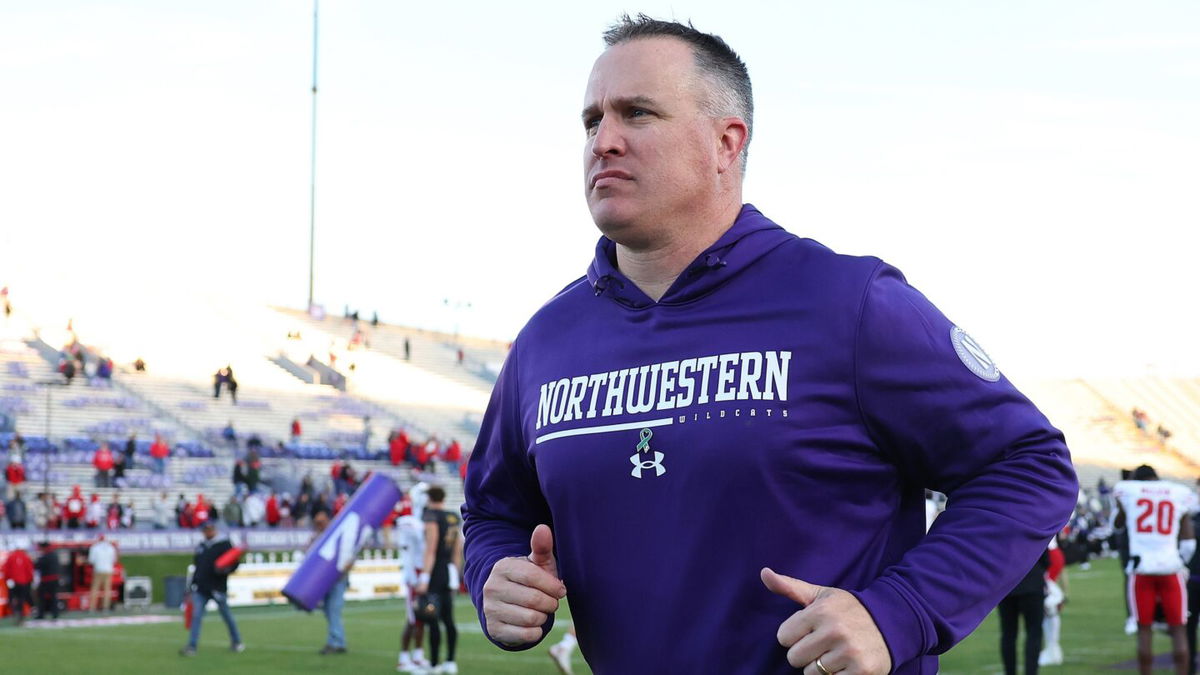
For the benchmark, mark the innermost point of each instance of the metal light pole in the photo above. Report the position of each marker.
(312, 194)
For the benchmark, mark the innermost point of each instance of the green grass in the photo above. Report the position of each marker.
(1093, 637)
(283, 640)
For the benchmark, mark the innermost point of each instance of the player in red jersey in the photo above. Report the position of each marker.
(1161, 542)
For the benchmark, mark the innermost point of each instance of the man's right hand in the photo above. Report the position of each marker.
(522, 593)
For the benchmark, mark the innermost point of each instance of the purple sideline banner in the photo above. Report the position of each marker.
(341, 541)
(163, 541)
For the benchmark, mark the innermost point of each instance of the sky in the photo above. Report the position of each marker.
(1033, 167)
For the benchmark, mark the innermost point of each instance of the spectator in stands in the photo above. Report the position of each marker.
(1163, 433)
(407, 350)
(49, 569)
(302, 509)
(104, 372)
(452, 455)
(239, 478)
(461, 355)
(103, 461)
(335, 472)
(102, 556)
(130, 450)
(295, 429)
(128, 516)
(161, 505)
(233, 387)
(228, 433)
(139, 365)
(95, 512)
(232, 513)
(159, 451)
(118, 471)
(210, 583)
(253, 510)
(272, 514)
(202, 510)
(182, 507)
(66, 366)
(253, 471)
(349, 479)
(39, 511)
(338, 503)
(221, 377)
(17, 511)
(306, 485)
(397, 446)
(322, 502)
(14, 473)
(56, 519)
(18, 570)
(74, 509)
(254, 443)
(114, 512)
(286, 518)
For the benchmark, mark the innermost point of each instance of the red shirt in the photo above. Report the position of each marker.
(272, 510)
(103, 459)
(396, 450)
(159, 450)
(454, 452)
(295, 427)
(15, 474)
(18, 567)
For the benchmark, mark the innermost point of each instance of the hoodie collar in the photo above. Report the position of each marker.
(751, 236)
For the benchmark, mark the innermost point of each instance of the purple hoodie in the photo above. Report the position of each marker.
(780, 406)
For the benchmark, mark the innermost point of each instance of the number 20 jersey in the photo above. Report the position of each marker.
(1153, 509)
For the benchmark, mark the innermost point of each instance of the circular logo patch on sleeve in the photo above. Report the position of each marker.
(972, 355)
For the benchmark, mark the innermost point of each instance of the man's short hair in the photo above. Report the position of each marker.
(729, 81)
(437, 494)
(1145, 472)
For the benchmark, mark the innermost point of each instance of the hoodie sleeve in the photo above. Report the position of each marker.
(934, 401)
(504, 501)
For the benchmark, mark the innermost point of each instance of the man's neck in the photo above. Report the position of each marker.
(654, 268)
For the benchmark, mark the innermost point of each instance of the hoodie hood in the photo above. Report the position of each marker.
(751, 236)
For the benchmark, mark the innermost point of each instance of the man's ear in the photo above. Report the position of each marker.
(733, 137)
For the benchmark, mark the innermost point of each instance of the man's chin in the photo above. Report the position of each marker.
(611, 219)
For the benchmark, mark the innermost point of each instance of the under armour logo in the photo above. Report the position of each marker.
(639, 464)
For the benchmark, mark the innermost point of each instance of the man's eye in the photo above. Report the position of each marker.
(638, 112)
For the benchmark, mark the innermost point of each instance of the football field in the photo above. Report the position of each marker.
(283, 640)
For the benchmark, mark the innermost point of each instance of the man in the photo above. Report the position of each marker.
(702, 326)
(17, 511)
(102, 556)
(1025, 601)
(103, 461)
(335, 597)
(412, 543)
(49, 570)
(211, 583)
(18, 572)
(1157, 516)
(443, 548)
(75, 509)
(161, 505)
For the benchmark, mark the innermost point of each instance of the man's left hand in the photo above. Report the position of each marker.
(832, 626)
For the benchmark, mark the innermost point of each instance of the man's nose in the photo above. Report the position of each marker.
(608, 139)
